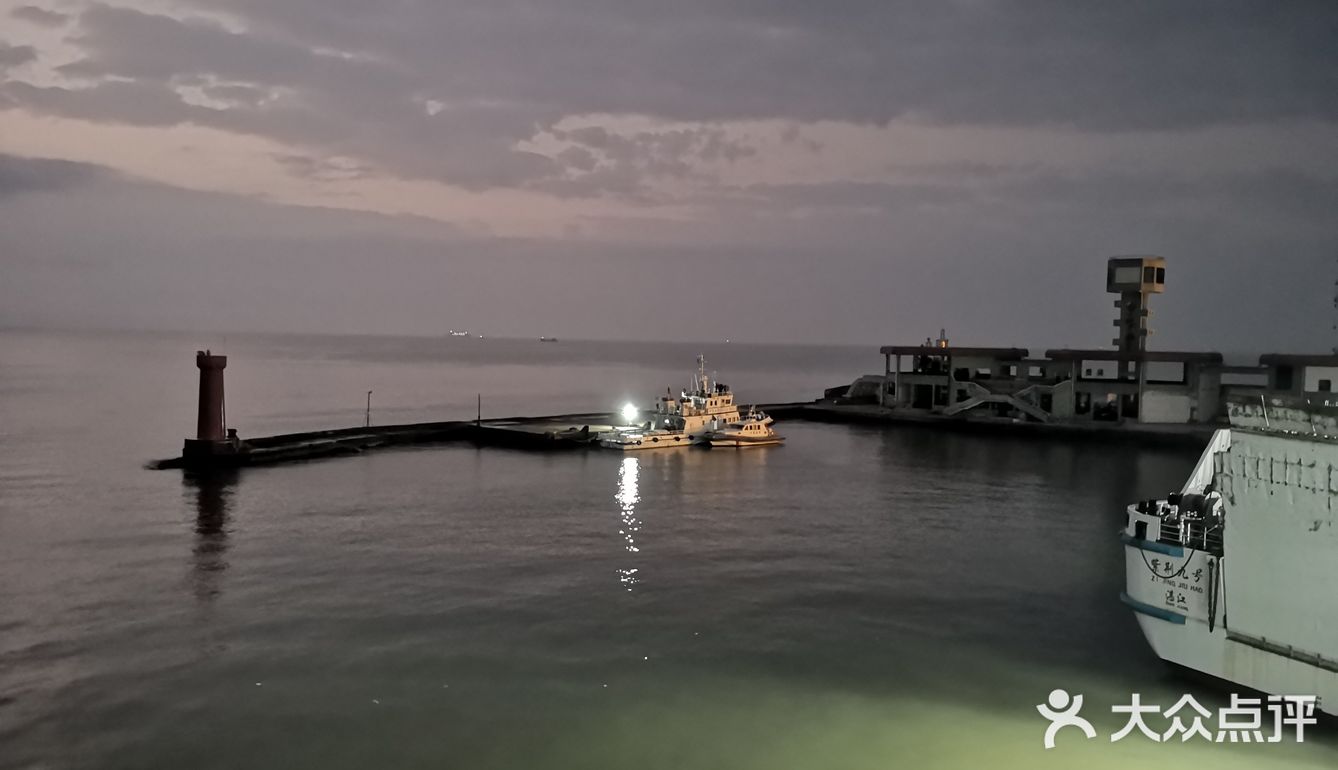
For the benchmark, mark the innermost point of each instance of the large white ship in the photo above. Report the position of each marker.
(704, 406)
(1236, 576)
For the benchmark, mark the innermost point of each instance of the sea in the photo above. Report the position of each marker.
(861, 597)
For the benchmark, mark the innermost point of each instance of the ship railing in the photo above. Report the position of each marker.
(1199, 534)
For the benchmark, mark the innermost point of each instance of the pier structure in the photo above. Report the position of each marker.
(1064, 385)
(1128, 383)
(218, 447)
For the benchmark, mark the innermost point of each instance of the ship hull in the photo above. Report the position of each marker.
(1237, 664)
(668, 441)
(744, 443)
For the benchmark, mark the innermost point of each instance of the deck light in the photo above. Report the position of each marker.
(630, 413)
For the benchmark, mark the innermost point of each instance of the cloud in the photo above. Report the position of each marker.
(16, 55)
(43, 17)
(595, 160)
(454, 93)
(308, 167)
(302, 94)
(20, 176)
(1026, 141)
(1105, 67)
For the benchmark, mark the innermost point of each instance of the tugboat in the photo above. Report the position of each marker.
(704, 406)
(1236, 575)
(753, 429)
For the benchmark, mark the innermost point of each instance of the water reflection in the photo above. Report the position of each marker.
(627, 498)
(211, 495)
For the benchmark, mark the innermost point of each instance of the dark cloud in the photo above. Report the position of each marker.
(15, 55)
(20, 175)
(447, 90)
(121, 101)
(1103, 66)
(44, 17)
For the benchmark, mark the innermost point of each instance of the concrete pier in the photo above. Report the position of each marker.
(577, 431)
(1195, 435)
(557, 432)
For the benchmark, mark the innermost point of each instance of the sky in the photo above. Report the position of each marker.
(861, 172)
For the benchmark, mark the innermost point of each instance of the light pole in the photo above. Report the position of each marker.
(369, 410)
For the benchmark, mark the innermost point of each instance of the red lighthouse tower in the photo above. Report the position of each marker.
(213, 440)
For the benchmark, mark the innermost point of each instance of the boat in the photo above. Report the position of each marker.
(682, 420)
(1236, 575)
(455, 333)
(548, 339)
(753, 429)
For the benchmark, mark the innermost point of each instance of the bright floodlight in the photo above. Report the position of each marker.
(630, 413)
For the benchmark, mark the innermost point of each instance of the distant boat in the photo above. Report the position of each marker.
(548, 339)
(455, 333)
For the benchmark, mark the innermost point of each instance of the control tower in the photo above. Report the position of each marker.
(1134, 278)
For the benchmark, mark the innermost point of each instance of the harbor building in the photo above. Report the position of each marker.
(1067, 385)
(1127, 383)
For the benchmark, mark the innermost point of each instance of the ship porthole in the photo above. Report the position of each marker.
(655, 440)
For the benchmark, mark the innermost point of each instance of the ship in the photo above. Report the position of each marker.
(683, 420)
(752, 430)
(1236, 575)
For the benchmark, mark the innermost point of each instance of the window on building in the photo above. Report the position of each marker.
(1325, 386)
(1283, 378)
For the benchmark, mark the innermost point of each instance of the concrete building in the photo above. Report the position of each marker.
(1065, 385)
(1128, 383)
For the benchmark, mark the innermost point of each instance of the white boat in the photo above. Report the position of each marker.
(1236, 576)
(685, 420)
(753, 429)
(455, 333)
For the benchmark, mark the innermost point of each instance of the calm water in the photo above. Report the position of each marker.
(859, 598)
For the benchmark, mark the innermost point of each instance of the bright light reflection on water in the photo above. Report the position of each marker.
(627, 498)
